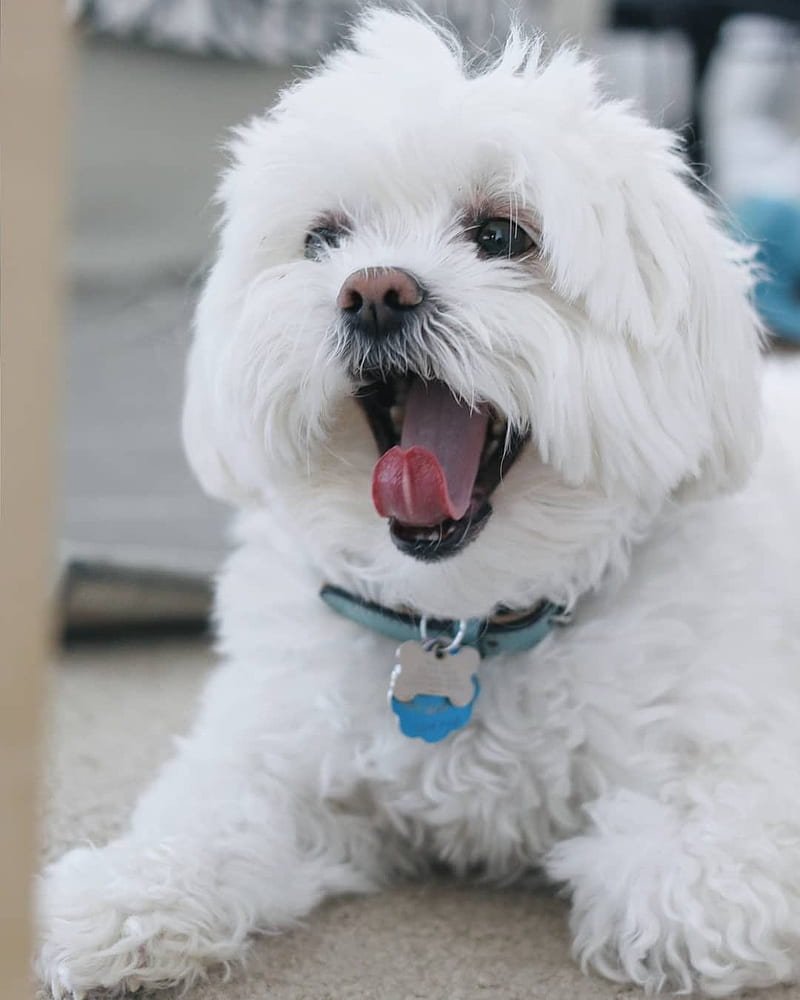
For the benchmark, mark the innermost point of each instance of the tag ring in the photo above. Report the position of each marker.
(458, 638)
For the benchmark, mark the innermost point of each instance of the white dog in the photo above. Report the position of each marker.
(475, 357)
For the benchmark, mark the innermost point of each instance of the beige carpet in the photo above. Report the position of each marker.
(114, 711)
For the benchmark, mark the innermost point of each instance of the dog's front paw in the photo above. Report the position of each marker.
(122, 917)
(668, 904)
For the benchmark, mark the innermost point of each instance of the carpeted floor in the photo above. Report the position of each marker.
(115, 709)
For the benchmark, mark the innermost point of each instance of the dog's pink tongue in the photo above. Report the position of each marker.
(430, 475)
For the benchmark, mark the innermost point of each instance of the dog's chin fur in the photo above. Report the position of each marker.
(646, 755)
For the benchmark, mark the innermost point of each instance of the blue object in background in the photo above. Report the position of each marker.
(774, 224)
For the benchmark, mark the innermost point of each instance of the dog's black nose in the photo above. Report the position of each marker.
(377, 300)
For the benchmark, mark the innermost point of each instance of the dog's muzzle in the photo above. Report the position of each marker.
(377, 302)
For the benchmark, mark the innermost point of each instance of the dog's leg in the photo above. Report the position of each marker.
(679, 894)
(234, 836)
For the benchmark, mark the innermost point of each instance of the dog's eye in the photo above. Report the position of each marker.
(321, 239)
(501, 238)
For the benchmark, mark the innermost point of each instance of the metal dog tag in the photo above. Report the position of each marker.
(433, 671)
(432, 690)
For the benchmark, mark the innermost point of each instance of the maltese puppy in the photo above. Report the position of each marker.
(478, 366)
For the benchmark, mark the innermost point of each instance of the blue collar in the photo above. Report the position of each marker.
(503, 633)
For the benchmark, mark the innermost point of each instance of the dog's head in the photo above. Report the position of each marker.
(467, 331)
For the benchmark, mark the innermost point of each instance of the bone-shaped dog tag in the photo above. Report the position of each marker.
(433, 671)
(432, 691)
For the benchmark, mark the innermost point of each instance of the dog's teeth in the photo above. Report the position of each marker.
(397, 413)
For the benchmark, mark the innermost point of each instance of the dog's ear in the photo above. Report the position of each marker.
(200, 435)
(214, 446)
(698, 282)
(649, 260)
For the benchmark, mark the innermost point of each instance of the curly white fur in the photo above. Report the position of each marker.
(647, 755)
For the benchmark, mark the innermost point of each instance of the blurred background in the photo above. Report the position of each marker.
(157, 83)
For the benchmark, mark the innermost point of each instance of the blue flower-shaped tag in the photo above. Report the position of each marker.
(432, 717)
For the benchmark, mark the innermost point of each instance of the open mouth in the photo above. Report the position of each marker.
(439, 463)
